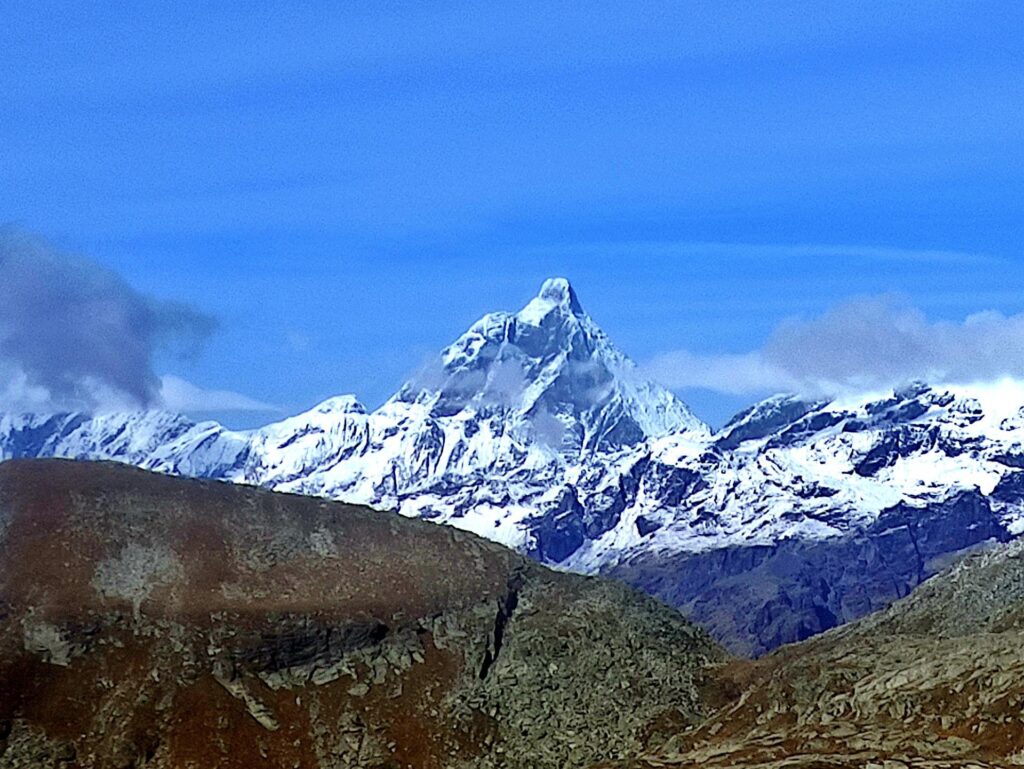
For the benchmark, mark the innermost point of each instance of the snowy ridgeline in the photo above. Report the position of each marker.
(532, 429)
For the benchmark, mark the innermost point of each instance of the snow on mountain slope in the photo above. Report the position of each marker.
(153, 439)
(789, 469)
(554, 375)
(533, 430)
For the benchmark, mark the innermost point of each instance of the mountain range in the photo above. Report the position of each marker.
(533, 430)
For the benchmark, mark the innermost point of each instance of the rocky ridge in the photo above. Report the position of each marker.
(162, 622)
(936, 680)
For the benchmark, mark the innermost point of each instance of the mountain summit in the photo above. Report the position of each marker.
(555, 293)
(553, 375)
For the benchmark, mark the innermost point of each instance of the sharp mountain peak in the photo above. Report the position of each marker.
(556, 294)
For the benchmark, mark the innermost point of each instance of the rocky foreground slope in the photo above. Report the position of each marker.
(532, 429)
(151, 621)
(937, 680)
(147, 620)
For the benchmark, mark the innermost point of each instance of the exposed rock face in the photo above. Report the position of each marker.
(152, 621)
(936, 680)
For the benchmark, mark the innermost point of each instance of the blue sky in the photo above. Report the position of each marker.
(346, 187)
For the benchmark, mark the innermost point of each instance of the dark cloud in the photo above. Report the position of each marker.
(74, 334)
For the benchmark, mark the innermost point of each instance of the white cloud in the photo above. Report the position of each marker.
(18, 393)
(21, 393)
(865, 343)
(177, 394)
(733, 374)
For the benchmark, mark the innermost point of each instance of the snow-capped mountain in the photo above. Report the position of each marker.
(801, 515)
(532, 429)
(789, 468)
(517, 420)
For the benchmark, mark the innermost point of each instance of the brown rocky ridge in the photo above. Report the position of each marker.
(936, 680)
(152, 621)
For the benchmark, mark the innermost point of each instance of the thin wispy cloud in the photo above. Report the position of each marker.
(864, 343)
(180, 395)
(776, 251)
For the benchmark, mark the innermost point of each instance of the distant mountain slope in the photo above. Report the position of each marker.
(801, 516)
(982, 594)
(164, 622)
(533, 430)
(937, 680)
